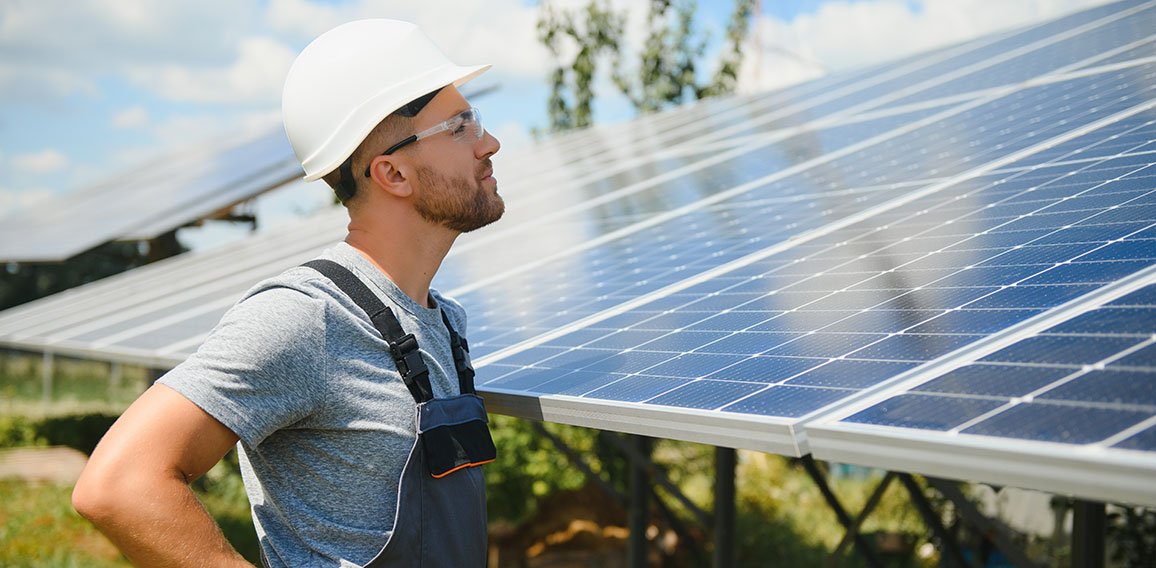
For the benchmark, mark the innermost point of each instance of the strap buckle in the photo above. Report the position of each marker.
(406, 354)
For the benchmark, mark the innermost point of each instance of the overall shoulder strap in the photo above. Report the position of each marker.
(461, 351)
(402, 346)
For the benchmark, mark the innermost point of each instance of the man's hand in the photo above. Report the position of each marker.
(135, 487)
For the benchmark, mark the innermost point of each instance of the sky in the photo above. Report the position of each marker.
(90, 89)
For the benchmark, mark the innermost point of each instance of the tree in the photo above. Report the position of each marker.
(668, 64)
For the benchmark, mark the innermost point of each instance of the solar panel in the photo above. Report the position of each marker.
(1040, 411)
(151, 201)
(744, 271)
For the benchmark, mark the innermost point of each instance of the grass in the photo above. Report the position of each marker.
(39, 528)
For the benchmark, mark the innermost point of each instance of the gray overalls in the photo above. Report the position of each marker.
(441, 508)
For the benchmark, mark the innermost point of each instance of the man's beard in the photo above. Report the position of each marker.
(457, 203)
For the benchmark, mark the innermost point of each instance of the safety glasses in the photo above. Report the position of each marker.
(465, 127)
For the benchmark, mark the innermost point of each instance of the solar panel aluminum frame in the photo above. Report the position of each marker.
(1102, 474)
(766, 434)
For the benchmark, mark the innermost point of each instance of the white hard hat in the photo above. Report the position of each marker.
(350, 78)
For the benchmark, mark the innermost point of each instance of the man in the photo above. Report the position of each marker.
(343, 383)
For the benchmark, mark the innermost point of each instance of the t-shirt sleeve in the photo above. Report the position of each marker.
(261, 369)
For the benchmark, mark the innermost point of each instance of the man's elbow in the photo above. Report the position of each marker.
(91, 497)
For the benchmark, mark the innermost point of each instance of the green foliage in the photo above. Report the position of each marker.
(39, 528)
(81, 432)
(1133, 532)
(529, 467)
(667, 71)
(18, 431)
(222, 492)
(598, 33)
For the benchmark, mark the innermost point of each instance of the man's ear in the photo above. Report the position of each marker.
(386, 172)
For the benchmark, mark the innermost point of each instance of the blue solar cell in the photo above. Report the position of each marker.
(706, 394)
(571, 360)
(576, 383)
(887, 321)
(803, 321)
(576, 338)
(994, 380)
(1110, 386)
(523, 379)
(747, 343)
(850, 374)
(825, 344)
(1143, 297)
(914, 347)
(681, 341)
(1100, 272)
(1125, 250)
(925, 298)
(1145, 441)
(765, 369)
(974, 321)
(786, 401)
(1058, 423)
(624, 339)
(1111, 321)
(693, 365)
(729, 321)
(1029, 296)
(1061, 350)
(628, 362)
(924, 412)
(1092, 233)
(1145, 358)
(635, 388)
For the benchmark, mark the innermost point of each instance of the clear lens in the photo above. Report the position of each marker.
(466, 124)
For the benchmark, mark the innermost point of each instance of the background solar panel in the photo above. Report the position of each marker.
(150, 201)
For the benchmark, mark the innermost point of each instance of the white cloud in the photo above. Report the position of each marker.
(13, 200)
(500, 32)
(842, 34)
(256, 76)
(42, 162)
(132, 117)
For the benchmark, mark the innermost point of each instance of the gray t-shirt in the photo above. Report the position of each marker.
(325, 422)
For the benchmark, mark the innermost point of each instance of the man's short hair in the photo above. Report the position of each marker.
(391, 129)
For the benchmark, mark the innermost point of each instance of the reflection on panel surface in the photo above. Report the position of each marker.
(792, 333)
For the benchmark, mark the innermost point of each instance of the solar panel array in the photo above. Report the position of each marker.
(785, 272)
(150, 201)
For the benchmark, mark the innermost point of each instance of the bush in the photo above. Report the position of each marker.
(18, 431)
(80, 432)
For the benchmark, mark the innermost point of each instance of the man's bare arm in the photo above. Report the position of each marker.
(135, 488)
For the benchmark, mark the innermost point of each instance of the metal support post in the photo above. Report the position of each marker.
(115, 374)
(853, 530)
(639, 505)
(579, 463)
(658, 476)
(840, 513)
(724, 507)
(1089, 522)
(953, 555)
(992, 529)
(46, 374)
